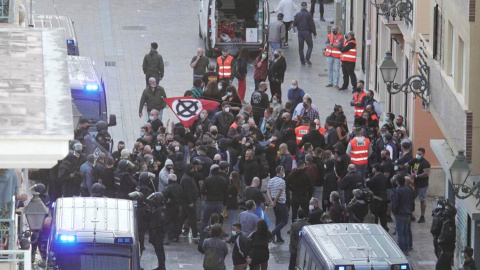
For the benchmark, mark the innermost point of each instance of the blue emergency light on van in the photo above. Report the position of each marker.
(91, 87)
(123, 240)
(70, 42)
(400, 267)
(345, 267)
(67, 238)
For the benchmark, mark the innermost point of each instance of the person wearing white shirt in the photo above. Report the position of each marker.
(287, 7)
(299, 107)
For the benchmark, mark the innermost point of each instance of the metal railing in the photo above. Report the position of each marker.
(16, 259)
(396, 10)
(8, 224)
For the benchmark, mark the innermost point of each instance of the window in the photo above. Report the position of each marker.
(437, 34)
(460, 78)
(450, 61)
(4, 11)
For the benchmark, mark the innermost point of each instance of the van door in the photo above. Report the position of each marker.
(266, 21)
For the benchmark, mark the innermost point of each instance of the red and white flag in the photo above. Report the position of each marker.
(188, 109)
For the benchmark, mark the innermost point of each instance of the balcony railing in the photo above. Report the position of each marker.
(7, 8)
(396, 10)
(16, 259)
(8, 225)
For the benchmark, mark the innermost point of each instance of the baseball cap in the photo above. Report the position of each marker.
(469, 251)
(384, 127)
(304, 4)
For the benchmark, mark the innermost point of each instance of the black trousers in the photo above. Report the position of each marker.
(159, 250)
(445, 260)
(297, 204)
(348, 69)
(293, 261)
(173, 225)
(382, 215)
(287, 26)
(276, 88)
(190, 213)
(312, 7)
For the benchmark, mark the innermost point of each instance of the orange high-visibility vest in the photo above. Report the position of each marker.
(322, 130)
(350, 55)
(225, 66)
(334, 51)
(234, 125)
(357, 98)
(359, 153)
(300, 132)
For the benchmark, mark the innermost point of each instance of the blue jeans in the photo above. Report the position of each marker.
(273, 46)
(208, 209)
(232, 217)
(362, 170)
(281, 219)
(305, 36)
(258, 212)
(333, 70)
(404, 231)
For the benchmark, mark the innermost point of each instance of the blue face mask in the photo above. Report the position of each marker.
(151, 118)
(158, 147)
(141, 134)
(418, 157)
(395, 168)
(387, 118)
(234, 233)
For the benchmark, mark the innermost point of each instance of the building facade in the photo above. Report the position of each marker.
(442, 35)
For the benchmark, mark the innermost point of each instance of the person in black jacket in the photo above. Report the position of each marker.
(437, 223)
(215, 189)
(342, 160)
(173, 197)
(241, 247)
(300, 185)
(303, 20)
(190, 196)
(249, 167)
(315, 213)
(314, 137)
(331, 184)
(259, 102)
(357, 207)
(378, 185)
(447, 239)
(319, 182)
(350, 182)
(276, 73)
(287, 131)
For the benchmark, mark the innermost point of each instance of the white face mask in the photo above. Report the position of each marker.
(227, 109)
(219, 87)
(293, 86)
(264, 55)
(153, 85)
(177, 148)
(311, 208)
(158, 147)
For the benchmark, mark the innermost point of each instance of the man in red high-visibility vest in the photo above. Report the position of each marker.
(225, 68)
(300, 131)
(357, 102)
(359, 150)
(334, 44)
(348, 58)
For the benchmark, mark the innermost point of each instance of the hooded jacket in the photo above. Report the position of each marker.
(215, 188)
(163, 176)
(153, 64)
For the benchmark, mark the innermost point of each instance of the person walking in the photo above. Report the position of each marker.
(153, 96)
(348, 58)
(322, 8)
(294, 232)
(420, 172)
(276, 196)
(303, 20)
(276, 73)
(248, 219)
(215, 250)
(299, 183)
(402, 208)
(241, 248)
(153, 65)
(199, 64)
(225, 68)
(241, 72)
(259, 253)
(259, 102)
(334, 44)
(276, 34)
(287, 8)
(260, 71)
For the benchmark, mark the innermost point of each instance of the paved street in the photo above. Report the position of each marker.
(119, 32)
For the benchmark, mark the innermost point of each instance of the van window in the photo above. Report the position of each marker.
(239, 25)
(90, 109)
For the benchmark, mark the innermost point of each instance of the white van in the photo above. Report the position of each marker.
(53, 21)
(220, 26)
(348, 246)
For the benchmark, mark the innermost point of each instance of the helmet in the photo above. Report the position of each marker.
(101, 125)
(450, 210)
(156, 198)
(144, 178)
(40, 188)
(122, 165)
(76, 145)
(136, 195)
(98, 190)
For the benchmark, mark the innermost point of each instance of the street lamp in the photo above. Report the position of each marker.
(416, 84)
(459, 172)
(36, 212)
(393, 8)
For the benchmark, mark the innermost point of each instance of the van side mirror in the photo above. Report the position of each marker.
(112, 120)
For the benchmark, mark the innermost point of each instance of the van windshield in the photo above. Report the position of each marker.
(90, 109)
(88, 262)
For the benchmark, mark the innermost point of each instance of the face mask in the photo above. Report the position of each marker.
(305, 105)
(220, 87)
(311, 208)
(387, 118)
(418, 157)
(151, 161)
(395, 168)
(274, 102)
(294, 86)
(177, 148)
(277, 55)
(198, 153)
(229, 93)
(384, 157)
(243, 122)
(214, 133)
(227, 109)
(141, 134)
(268, 129)
(383, 136)
(284, 119)
(202, 116)
(264, 55)
(153, 85)
(150, 118)
(234, 233)
(359, 89)
(158, 147)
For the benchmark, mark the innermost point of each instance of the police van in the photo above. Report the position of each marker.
(88, 91)
(53, 21)
(220, 26)
(93, 233)
(348, 246)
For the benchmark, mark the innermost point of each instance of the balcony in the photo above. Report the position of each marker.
(397, 16)
(7, 8)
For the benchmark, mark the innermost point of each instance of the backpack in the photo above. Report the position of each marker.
(264, 170)
(210, 260)
(204, 235)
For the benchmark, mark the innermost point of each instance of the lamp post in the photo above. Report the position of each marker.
(459, 172)
(416, 84)
(36, 212)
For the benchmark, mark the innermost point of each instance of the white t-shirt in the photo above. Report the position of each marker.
(287, 7)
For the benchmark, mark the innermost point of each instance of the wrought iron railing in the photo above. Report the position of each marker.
(8, 225)
(393, 10)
